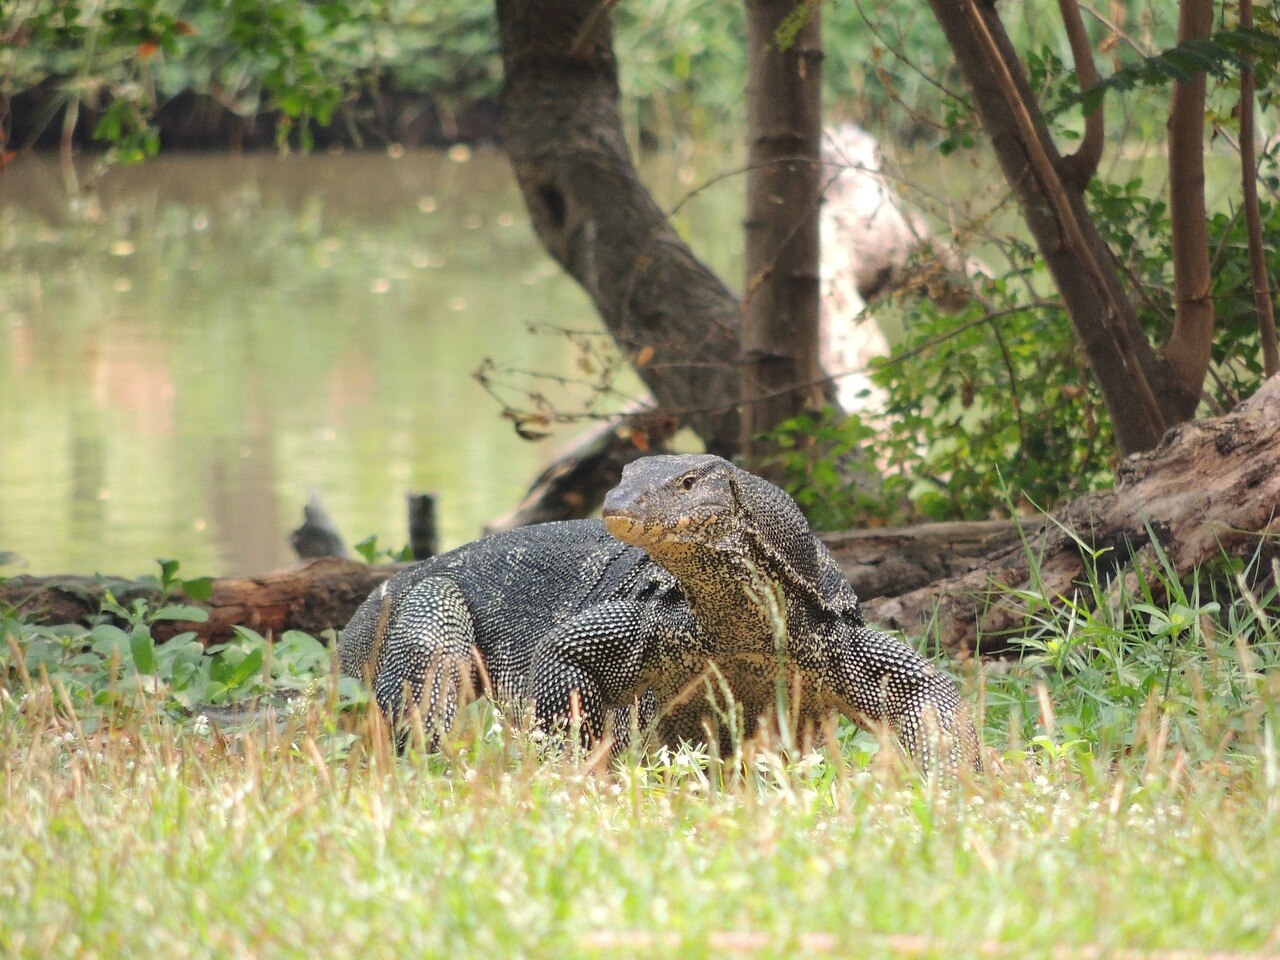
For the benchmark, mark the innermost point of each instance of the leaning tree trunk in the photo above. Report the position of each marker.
(781, 371)
(565, 141)
(1127, 369)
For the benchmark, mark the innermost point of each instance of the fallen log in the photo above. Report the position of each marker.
(891, 561)
(1212, 486)
(574, 484)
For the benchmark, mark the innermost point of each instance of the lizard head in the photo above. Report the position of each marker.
(679, 508)
(669, 504)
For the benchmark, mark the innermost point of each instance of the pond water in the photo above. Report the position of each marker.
(207, 339)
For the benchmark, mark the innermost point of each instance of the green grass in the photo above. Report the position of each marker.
(1134, 809)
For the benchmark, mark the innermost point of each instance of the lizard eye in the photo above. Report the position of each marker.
(687, 483)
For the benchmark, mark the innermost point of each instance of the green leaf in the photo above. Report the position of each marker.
(246, 669)
(168, 571)
(109, 640)
(177, 611)
(143, 648)
(368, 549)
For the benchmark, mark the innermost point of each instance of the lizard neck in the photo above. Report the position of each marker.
(738, 591)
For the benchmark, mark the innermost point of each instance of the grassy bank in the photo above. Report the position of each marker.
(1134, 811)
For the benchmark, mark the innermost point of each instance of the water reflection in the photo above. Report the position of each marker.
(213, 337)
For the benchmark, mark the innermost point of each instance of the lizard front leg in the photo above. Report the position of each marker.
(879, 681)
(597, 662)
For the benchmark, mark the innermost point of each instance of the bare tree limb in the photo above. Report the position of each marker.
(1252, 218)
(1079, 168)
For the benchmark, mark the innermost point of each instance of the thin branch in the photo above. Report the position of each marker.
(1252, 218)
(1116, 31)
(896, 358)
(1080, 167)
(543, 415)
(1014, 400)
(908, 62)
(1225, 134)
(757, 278)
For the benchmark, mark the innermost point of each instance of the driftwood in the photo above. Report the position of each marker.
(1211, 486)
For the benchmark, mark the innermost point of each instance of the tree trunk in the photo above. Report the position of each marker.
(1212, 486)
(781, 375)
(1190, 345)
(565, 141)
(1127, 369)
(1252, 215)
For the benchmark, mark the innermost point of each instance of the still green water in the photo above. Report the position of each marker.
(209, 338)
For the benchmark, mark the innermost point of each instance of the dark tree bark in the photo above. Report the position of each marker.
(1252, 215)
(781, 371)
(589, 208)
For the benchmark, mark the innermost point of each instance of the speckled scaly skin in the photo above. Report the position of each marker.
(700, 577)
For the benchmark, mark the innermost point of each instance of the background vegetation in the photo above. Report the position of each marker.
(683, 62)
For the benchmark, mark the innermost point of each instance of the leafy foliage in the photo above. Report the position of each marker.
(1222, 56)
(115, 667)
(990, 407)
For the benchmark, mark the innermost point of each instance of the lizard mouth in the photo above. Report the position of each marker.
(634, 529)
(629, 528)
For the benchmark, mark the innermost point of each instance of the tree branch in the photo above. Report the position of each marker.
(1079, 168)
(1252, 218)
(569, 154)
